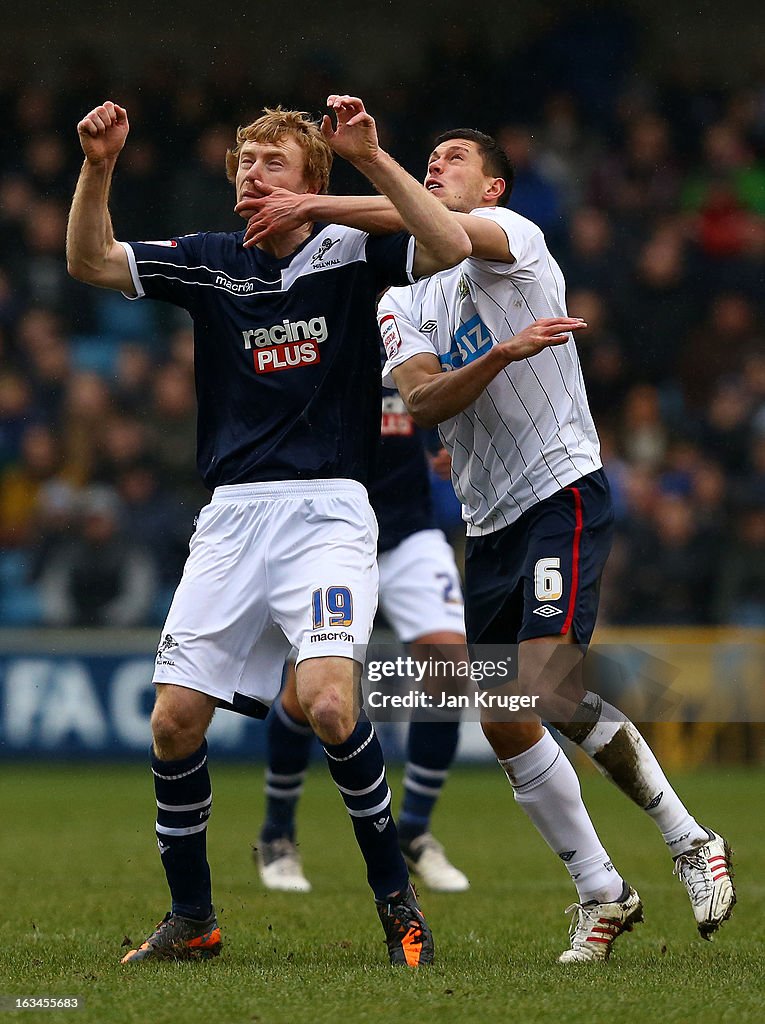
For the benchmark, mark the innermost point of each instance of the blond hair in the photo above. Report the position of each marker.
(276, 124)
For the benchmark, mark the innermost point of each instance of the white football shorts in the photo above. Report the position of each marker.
(271, 566)
(420, 589)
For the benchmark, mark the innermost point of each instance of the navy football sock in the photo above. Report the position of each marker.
(430, 752)
(289, 751)
(184, 801)
(358, 769)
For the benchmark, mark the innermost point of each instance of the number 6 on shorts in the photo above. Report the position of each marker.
(548, 582)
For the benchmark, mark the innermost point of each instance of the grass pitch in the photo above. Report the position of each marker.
(80, 872)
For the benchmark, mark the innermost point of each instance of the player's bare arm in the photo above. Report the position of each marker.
(441, 242)
(279, 210)
(93, 255)
(432, 396)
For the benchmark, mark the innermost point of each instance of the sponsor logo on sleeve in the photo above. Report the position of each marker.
(390, 336)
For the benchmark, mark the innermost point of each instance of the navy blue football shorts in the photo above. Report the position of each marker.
(540, 576)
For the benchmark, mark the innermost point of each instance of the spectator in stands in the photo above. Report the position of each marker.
(590, 255)
(717, 346)
(601, 353)
(15, 409)
(98, 577)
(172, 421)
(150, 516)
(657, 306)
(534, 194)
(21, 483)
(740, 597)
(670, 575)
(87, 406)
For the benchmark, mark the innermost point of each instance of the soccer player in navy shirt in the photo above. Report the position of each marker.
(287, 377)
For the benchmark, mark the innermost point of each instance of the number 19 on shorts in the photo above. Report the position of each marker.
(334, 602)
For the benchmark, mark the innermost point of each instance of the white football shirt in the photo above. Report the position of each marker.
(530, 433)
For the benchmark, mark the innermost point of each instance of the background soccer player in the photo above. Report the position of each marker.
(287, 375)
(421, 596)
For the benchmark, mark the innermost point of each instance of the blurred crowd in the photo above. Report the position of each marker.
(652, 198)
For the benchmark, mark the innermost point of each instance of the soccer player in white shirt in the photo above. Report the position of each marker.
(486, 351)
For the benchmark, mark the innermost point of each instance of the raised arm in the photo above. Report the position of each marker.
(282, 210)
(441, 242)
(432, 395)
(92, 254)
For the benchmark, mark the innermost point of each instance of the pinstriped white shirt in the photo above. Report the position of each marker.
(530, 433)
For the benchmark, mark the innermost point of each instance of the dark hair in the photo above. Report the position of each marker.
(496, 162)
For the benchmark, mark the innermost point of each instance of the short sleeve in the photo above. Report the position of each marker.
(391, 259)
(401, 339)
(166, 270)
(521, 235)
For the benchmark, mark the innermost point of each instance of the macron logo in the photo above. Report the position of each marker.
(235, 287)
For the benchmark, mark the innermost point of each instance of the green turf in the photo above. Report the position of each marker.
(80, 871)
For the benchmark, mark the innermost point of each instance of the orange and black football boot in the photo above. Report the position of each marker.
(409, 940)
(179, 938)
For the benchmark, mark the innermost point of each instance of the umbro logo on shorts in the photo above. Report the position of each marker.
(547, 611)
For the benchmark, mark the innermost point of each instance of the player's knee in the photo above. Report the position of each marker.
(330, 717)
(176, 731)
(508, 739)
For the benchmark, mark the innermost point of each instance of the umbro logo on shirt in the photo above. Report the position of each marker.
(547, 611)
(428, 326)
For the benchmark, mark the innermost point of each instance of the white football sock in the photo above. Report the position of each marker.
(547, 788)
(622, 755)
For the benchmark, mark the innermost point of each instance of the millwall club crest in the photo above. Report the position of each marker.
(318, 260)
(167, 644)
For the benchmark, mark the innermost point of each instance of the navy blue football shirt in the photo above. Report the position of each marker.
(286, 351)
(399, 489)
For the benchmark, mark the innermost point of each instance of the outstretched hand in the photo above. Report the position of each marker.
(103, 132)
(540, 335)
(275, 210)
(355, 137)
